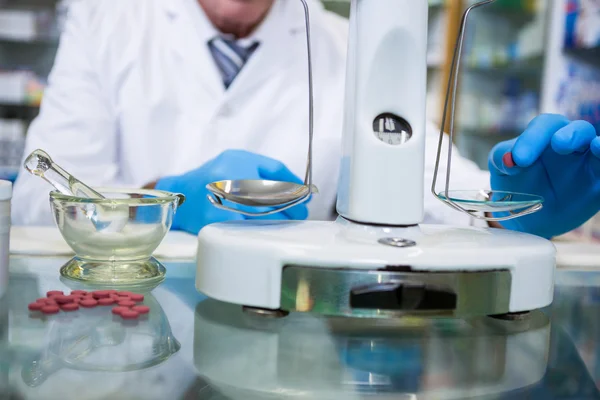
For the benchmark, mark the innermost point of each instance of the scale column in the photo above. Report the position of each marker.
(382, 167)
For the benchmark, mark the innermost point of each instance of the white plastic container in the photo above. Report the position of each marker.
(5, 196)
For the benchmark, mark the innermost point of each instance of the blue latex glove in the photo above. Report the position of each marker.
(558, 160)
(197, 211)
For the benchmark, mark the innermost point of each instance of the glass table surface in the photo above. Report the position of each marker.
(192, 347)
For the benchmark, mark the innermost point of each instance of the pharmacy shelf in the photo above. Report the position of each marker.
(18, 111)
(40, 41)
(589, 55)
(528, 66)
(21, 52)
(476, 143)
(432, 3)
(342, 7)
(511, 9)
(490, 132)
(27, 4)
(493, 80)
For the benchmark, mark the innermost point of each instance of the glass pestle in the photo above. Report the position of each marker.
(40, 164)
(104, 218)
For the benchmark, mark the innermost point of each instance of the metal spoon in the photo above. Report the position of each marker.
(110, 219)
(259, 193)
(266, 193)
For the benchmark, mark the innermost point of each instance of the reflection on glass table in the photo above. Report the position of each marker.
(229, 355)
(313, 357)
(577, 306)
(99, 341)
(76, 350)
(88, 354)
(4, 370)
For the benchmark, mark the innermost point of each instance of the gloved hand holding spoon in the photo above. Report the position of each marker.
(231, 164)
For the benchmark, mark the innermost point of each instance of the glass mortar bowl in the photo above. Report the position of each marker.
(118, 254)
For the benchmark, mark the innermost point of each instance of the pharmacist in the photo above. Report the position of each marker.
(176, 94)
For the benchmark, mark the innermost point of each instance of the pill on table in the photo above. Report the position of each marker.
(507, 159)
(54, 293)
(79, 292)
(137, 297)
(141, 309)
(119, 310)
(63, 299)
(126, 303)
(106, 301)
(129, 314)
(101, 294)
(88, 303)
(50, 303)
(37, 306)
(124, 293)
(50, 309)
(43, 300)
(111, 291)
(70, 307)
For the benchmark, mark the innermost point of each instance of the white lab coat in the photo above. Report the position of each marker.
(135, 95)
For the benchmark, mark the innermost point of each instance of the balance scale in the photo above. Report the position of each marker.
(378, 259)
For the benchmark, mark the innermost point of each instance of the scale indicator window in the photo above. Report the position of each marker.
(392, 129)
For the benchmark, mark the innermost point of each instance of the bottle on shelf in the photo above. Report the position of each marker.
(12, 143)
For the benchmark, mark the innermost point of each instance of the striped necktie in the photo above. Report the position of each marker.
(230, 57)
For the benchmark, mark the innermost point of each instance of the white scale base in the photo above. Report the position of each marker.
(317, 266)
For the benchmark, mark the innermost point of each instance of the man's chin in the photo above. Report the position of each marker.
(226, 14)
